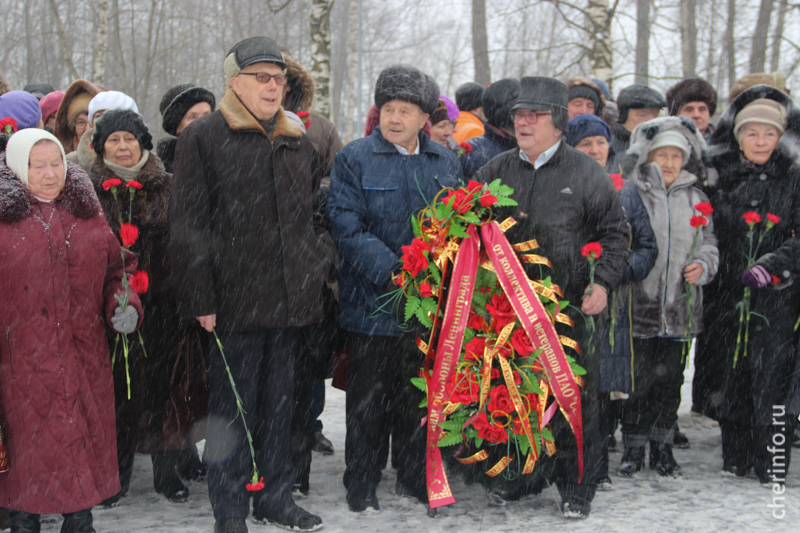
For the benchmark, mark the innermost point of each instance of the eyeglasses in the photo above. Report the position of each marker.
(530, 117)
(263, 77)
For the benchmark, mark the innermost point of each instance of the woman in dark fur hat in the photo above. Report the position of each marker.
(180, 106)
(123, 143)
(744, 383)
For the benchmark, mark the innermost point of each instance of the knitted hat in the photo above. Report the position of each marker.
(178, 101)
(120, 120)
(18, 150)
(580, 87)
(582, 126)
(249, 52)
(763, 111)
(39, 90)
(498, 99)
(691, 90)
(22, 107)
(672, 138)
(49, 104)
(603, 86)
(540, 93)
(775, 79)
(638, 97)
(110, 100)
(469, 96)
(406, 84)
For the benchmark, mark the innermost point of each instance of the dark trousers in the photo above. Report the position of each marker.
(381, 400)
(765, 449)
(609, 413)
(262, 366)
(317, 403)
(652, 410)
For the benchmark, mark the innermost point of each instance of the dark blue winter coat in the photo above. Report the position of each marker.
(615, 365)
(374, 192)
(484, 147)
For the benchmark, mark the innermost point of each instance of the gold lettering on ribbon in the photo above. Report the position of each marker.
(422, 345)
(526, 246)
(530, 462)
(564, 319)
(499, 467)
(472, 459)
(507, 224)
(569, 343)
(534, 259)
(488, 357)
(516, 399)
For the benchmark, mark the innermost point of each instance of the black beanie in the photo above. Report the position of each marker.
(638, 97)
(406, 84)
(584, 91)
(691, 90)
(178, 101)
(469, 96)
(120, 120)
(498, 99)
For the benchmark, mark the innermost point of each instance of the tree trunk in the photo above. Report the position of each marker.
(480, 43)
(777, 39)
(758, 55)
(730, 45)
(688, 38)
(101, 43)
(642, 42)
(321, 53)
(62, 40)
(599, 25)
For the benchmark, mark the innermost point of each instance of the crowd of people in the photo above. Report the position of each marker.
(204, 290)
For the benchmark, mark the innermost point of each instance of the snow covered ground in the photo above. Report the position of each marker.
(702, 500)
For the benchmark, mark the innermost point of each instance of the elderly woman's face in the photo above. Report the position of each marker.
(81, 124)
(46, 172)
(122, 148)
(198, 110)
(596, 147)
(758, 141)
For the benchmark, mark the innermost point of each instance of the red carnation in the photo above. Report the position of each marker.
(773, 219)
(133, 184)
(500, 400)
(8, 125)
(751, 217)
(464, 145)
(698, 221)
(414, 259)
(255, 487)
(113, 182)
(592, 250)
(458, 201)
(425, 289)
(521, 342)
(473, 350)
(140, 282)
(704, 208)
(488, 200)
(129, 234)
(501, 310)
(619, 183)
(475, 321)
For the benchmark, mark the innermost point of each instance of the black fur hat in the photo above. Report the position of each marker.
(638, 97)
(469, 96)
(691, 90)
(406, 84)
(498, 99)
(178, 101)
(120, 120)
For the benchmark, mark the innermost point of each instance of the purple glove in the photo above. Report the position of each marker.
(756, 277)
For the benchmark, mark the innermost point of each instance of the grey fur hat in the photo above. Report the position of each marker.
(406, 84)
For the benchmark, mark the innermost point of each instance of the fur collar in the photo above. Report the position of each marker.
(239, 118)
(152, 176)
(16, 201)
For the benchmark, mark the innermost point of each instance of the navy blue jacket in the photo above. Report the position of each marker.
(374, 192)
(484, 147)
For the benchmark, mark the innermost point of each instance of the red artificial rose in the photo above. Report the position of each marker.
(473, 186)
(10, 122)
(517, 426)
(473, 350)
(704, 208)
(475, 321)
(521, 342)
(133, 184)
(619, 183)
(751, 217)
(129, 234)
(459, 203)
(113, 182)
(495, 373)
(140, 282)
(501, 311)
(488, 200)
(592, 248)
(493, 434)
(464, 389)
(255, 487)
(425, 289)
(773, 218)
(464, 145)
(500, 400)
(414, 259)
(481, 421)
(698, 221)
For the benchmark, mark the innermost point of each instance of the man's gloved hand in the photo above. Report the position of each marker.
(125, 321)
(756, 277)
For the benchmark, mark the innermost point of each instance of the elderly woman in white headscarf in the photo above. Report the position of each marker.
(61, 271)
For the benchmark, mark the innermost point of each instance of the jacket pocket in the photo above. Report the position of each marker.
(385, 198)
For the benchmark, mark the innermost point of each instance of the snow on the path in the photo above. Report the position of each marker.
(702, 500)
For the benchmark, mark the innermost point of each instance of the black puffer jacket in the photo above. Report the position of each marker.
(770, 188)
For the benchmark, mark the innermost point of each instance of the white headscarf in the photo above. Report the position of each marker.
(18, 152)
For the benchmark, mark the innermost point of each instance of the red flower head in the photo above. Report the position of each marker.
(140, 282)
(521, 342)
(500, 400)
(414, 259)
(698, 221)
(775, 280)
(704, 208)
(113, 182)
(425, 289)
(458, 201)
(592, 250)
(464, 145)
(464, 389)
(619, 183)
(8, 125)
(488, 431)
(303, 115)
(751, 217)
(133, 184)
(772, 219)
(473, 350)
(475, 321)
(255, 487)
(129, 234)
(488, 199)
(501, 311)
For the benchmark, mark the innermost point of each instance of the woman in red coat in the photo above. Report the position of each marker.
(60, 269)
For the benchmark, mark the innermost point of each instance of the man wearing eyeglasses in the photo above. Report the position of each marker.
(250, 262)
(565, 201)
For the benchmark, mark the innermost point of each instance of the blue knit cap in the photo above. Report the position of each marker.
(22, 107)
(586, 126)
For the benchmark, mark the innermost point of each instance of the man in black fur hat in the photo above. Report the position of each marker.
(637, 104)
(694, 98)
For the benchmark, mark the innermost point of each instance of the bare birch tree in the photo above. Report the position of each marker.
(321, 53)
(101, 42)
(688, 38)
(480, 43)
(758, 55)
(642, 66)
